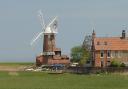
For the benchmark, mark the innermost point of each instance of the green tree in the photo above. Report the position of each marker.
(87, 43)
(80, 55)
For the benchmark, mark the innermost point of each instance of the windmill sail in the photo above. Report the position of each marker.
(53, 25)
(40, 15)
(50, 28)
(36, 38)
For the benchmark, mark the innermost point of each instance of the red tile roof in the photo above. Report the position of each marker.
(110, 43)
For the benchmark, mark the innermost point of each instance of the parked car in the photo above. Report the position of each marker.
(57, 66)
(29, 69)
(74, 64)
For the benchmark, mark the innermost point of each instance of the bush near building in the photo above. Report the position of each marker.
(116, 63)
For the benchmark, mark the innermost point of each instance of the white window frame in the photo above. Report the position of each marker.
(119, 54)
(101, 51)
(109, 51)
(112, 54)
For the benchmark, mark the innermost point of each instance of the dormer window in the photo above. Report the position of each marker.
(105, 43)
(98, 43)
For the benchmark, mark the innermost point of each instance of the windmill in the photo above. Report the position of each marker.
(48, 32)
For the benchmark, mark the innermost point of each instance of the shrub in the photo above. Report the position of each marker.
(115, 63)
(122, 65)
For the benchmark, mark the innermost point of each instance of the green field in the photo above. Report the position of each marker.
(16, 63)
(40, 80)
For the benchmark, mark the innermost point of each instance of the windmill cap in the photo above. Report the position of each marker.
(48, 30)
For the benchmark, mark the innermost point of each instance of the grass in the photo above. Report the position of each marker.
(39, 80)
(16, 63)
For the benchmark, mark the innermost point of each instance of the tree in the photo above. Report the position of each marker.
(87, 43)
(80, 55)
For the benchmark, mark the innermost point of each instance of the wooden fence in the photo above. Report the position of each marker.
(87, 70)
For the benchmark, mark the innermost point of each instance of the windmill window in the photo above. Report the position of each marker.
(49, 36)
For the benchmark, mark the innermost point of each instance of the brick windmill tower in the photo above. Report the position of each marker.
(51, 54)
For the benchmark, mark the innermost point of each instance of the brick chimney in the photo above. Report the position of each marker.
(123, 34)
(93, 34)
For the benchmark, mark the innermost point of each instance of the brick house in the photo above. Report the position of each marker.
(106, 49)
(57, 58)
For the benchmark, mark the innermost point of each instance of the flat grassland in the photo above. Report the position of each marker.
(11, 79)
(14, 66)
(40, 80)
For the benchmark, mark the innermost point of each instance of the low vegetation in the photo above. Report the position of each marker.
(40, 80)
(116, 63)
(16, 63)
(14, 66)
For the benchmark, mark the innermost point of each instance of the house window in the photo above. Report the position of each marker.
(108, 54)
(112, 54)
(116, 54)
(101, 53)
(119, 54)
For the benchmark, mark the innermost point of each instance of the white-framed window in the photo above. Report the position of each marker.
(108, 54)
(101, 53)
(116, 54)
(112, 54)
(119, 54)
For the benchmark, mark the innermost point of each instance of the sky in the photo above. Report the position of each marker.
(76, 18)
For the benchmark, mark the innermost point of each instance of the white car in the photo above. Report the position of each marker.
(38, 69)
(30, 69)
(74, 64)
